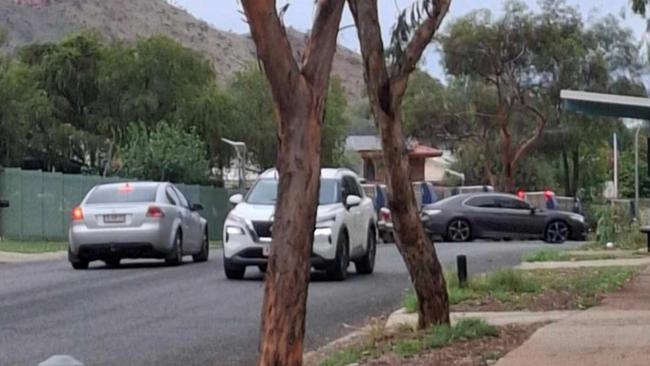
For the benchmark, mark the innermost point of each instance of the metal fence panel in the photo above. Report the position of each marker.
(53, 213)
(40, 203)
(32, 205)
(12, 216)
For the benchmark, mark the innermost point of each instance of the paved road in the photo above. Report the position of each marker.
(148, 314)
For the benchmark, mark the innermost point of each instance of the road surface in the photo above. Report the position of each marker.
(147, 314)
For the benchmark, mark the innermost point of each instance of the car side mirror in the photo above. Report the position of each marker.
(196, 207)
(533, 210)
(236, 199)
(352, 201)
(4, 203)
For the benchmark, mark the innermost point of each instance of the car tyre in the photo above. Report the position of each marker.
(388, 238)
(204, 254)
(176, 255)
(366, 264)
(233, 271)
(113, 262)
(338, 269)
(459, 230)
(557, 232)
(76, 262)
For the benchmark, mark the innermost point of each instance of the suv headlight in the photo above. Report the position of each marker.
(323, 231)
(234, 230)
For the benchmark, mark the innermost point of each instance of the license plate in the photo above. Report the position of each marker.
(114, 219)
(266, 250)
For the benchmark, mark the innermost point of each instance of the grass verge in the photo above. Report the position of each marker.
(408, 344)
(216, 244)
(32, 247)
(552, 255)
(557, 289)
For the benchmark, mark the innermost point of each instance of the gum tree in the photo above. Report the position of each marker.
(386, 82)
(299, 89)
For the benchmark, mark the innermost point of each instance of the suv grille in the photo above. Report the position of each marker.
(263, 228)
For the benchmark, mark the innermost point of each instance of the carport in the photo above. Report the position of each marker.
(612, 105)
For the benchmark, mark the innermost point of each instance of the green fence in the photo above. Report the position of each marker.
(40, 203)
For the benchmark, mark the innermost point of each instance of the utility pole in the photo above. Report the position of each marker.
(615, 167)
(636, 172)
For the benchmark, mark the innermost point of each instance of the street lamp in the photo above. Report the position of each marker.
(240, 150)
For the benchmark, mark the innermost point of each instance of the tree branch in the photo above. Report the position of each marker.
(528, 144)
(321, 47)
(402, 68)
(273, 48)
(365, 16)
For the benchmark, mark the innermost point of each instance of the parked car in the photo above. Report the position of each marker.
(494, 215)
(346, 226)
(136, 220)
(425, 194)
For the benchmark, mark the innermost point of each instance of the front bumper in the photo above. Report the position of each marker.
(151, 235)
(243, 249)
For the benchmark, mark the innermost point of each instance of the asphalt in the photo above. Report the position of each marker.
(147, 314)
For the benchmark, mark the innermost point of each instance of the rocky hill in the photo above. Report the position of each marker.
(29, 21)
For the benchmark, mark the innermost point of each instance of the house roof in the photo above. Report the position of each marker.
(423, 151)
(605, 104)
(362, 143)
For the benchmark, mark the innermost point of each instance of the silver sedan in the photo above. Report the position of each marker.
(136, 220)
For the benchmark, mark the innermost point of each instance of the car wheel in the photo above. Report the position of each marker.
(176, 255)
(204, 254)
(459, 230)
(112, 263)
(233, 271)
(338, 269)
(557, 232)
(366, 264)
(262, 268)
(75, 262)
(388, 238)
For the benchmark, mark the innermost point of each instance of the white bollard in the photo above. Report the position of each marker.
(61, 360)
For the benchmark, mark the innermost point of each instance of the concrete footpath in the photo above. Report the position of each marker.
(592, 263)
(614, 333)
(11, 257)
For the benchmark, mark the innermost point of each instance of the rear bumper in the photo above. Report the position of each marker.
(146, 239)
(91, 252)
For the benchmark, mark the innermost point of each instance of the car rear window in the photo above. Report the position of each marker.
(122, 194)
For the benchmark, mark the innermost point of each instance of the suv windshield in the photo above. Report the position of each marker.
(122, 194)
(265, 192)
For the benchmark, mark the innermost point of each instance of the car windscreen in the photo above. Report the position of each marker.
(122, 194)
(265, 192)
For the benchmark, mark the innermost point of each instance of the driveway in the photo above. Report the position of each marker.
(147, 314)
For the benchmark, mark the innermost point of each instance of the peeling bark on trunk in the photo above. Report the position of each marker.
(385, 93)
(299, 92)
(413, 244)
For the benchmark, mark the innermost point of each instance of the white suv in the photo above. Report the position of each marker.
(346, 228)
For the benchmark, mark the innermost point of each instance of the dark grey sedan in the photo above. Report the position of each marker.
(494, 215)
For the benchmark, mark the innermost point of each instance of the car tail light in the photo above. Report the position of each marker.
(77, 214)
(155, 211)
(384, 214)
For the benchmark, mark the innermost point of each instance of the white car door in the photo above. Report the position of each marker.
(355, 226)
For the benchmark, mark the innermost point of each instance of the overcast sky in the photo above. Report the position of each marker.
(225, 15)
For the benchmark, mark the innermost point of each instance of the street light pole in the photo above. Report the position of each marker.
(240, 149)
(636, 172)
(615, 167)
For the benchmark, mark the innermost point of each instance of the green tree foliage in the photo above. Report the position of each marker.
(256, 120)
(77, 100)
(520, 62)
(165, 153)
(639, 6)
